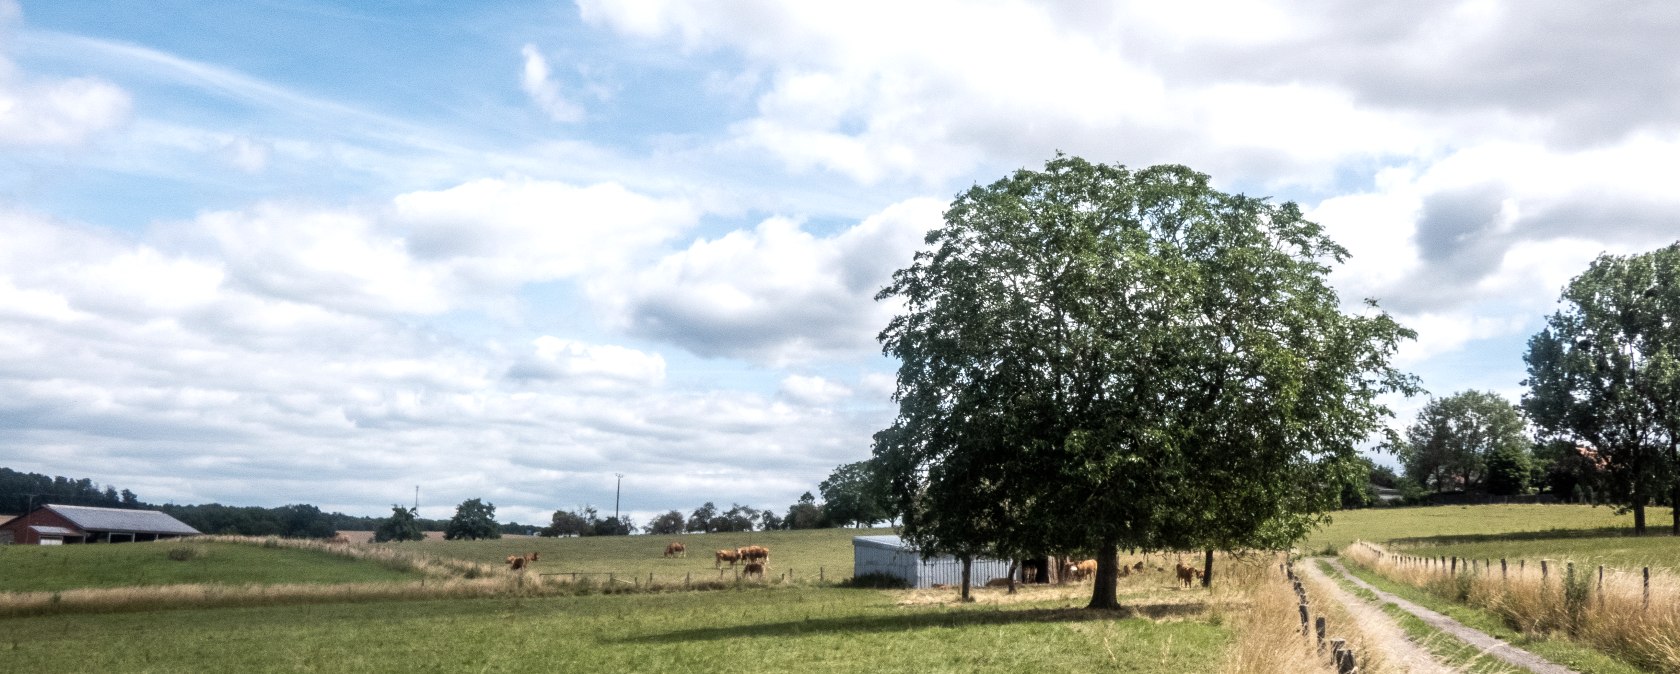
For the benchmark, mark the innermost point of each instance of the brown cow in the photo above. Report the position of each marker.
(754, 553)
(1082, 570)
(753, 569)
(517, 562)
(730, 556)
(675, 549)
(1186, 574)
(340, 539)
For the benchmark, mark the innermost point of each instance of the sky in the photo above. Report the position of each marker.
(274, 252)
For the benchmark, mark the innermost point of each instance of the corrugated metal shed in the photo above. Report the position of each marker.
(892, 556)
(118, 519)
(54, 531)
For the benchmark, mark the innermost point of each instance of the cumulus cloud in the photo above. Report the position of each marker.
(543, 90)
(778, 293)
(556, 359)
(48, 112)
(812, 390)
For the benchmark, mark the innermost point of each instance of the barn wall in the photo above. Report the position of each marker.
(21, 533)
(919, 573)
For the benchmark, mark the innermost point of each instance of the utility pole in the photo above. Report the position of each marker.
(416, 500)
(616, 492)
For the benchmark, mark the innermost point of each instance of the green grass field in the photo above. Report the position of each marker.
(802, 629)
(63, 567)
(1381, 525)
(802, 552)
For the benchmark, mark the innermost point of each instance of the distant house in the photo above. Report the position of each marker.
(61, 524)
(890, 555)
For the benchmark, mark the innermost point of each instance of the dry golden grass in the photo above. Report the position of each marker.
(1614, 616)
(1254, 599)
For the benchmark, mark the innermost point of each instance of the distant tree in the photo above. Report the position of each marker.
(702, 519)
(805, 514)
(1509, 468)
(129, 499)
(613, 526)
(1383, 476)
(768, 520)
(666, 524)
(567, 524)
(473, 520)
(1448, 447)
(517, 529)
(1605, 373)
(856, 494)
(304, 521)
(401, 526)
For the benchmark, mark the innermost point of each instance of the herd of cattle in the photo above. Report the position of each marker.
(756, 558)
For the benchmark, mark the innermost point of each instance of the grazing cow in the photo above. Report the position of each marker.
(340, 539)
(730, 556)
(1125, 571)
(675, 549)
(1082, 570)
(517, 562)
(1186, 574)
(754, 553)
(753, 569)
(1138, 566)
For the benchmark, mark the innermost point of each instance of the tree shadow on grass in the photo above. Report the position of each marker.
(1462, 539)
(916, 621)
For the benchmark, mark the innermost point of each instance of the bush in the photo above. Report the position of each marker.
(877, 581)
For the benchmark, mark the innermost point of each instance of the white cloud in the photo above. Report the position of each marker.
(543, 90)
(777, 293)
(57, 111)
(556, 359)
(813, 391)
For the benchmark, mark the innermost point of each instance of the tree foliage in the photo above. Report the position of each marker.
(1451, 444)
(1092, 357)
(856, 494)
(403, 525)
(666, 524)
(565, 523)
(1605, 372)
(805, 514)
(473, 520)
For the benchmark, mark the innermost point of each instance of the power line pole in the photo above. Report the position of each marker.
(416, 500)
(616, 492)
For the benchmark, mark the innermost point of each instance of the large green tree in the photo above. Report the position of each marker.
(1605, 372)
(855, 494)
(1450, 445)
(403, 525)
(474, 519)
(1101, 358)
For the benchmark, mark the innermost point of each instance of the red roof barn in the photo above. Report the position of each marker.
(59, 524)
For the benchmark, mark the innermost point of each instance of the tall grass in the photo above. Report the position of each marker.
(1553, 601)
(1252, 596)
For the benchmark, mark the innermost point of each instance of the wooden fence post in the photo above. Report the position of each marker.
(1647, 604)
(1544, 571)
(1305, 627)
(1318, 626)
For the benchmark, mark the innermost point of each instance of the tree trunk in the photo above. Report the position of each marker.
(1014, 565)
(1638, 516)
(1104, 590)
(968, 566)
(1207, 569)
(1674, 506)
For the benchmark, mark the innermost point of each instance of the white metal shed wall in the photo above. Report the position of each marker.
(889, 555)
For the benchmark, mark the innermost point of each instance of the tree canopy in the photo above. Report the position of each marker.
(855, 494)
(473, 520)
(1092, 357)
(1458, 440)
(403, 525)
(1605, 372)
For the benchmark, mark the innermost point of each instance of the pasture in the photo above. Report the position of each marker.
(802, 552)
(1542, 521)
(30, 568)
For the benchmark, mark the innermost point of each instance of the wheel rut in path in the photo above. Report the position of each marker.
(1470, 635)
(1400, 655)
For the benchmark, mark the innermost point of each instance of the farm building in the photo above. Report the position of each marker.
(60, 524)
(892, 556)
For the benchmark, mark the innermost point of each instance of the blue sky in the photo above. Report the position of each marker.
(275, 252)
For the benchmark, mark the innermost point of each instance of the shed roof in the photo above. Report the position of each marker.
(886, 542)
(119, 519)
(45, 530)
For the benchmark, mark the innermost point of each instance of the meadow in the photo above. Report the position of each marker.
(453, 605)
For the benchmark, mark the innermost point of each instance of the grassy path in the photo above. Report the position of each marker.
(1482, 640)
